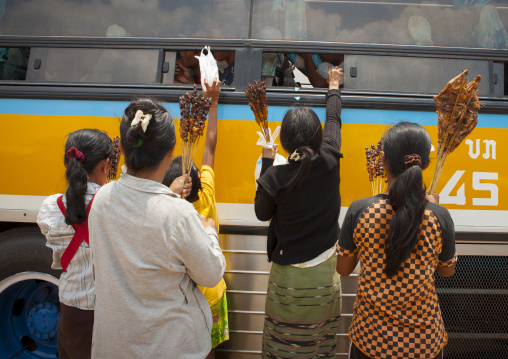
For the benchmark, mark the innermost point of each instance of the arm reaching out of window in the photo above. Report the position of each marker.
(212, 92)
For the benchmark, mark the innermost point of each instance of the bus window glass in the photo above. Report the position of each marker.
(299, 69)
(187, 69)
(458, 23)
(119, 66)
(13, 63)
(411, 74)
(221, 19)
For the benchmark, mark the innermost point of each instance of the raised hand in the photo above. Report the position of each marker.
(334, 77)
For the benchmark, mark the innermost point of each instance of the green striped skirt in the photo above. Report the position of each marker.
(302, 311)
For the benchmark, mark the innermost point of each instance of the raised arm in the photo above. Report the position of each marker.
(213, 93)
(333, 122)
(315, 78)
(264, 204)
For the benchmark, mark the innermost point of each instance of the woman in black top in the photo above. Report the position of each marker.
(302, 200)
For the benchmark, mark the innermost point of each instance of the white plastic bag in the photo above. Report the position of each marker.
(279, 160)
(207, 67)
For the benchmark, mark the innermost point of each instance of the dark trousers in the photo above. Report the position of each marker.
(355, 353)
(75, 330)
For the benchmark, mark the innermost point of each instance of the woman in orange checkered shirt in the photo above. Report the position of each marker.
(400, 238)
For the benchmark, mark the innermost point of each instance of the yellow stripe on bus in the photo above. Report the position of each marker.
(32, 156)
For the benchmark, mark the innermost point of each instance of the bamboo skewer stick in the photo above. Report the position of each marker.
(193, 111)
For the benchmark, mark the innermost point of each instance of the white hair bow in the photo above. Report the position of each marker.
(295, 156)
(141, 117)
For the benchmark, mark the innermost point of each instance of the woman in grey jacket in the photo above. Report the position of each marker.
(150, 248)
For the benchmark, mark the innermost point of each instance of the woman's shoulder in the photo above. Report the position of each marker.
(51, 199)
(443, 215)
(360, 205)
(331, 154)
(49, 204)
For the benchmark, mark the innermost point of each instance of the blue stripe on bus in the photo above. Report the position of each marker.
(230, 112)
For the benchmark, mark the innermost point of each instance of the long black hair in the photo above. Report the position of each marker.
(146, 149)
(175, 170)
(301, 132)
(407, 194)
(95, 146)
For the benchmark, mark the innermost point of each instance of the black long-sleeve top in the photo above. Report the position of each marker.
(305, 223)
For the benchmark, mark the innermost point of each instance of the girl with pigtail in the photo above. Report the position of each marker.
(302, 200)
(63, 220)
(400, 238)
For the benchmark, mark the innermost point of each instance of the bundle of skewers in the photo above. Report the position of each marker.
(114, 160)
(457, 107)
(256, 94)
(375, 168)
(193, 114)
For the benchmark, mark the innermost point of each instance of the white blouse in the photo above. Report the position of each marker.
(76, 288)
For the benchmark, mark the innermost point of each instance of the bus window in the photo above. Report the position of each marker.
(299, 69)
(458, 23)
(224, 19)
(410, 74)
(187, 67)
(13, 63)
(118, 66)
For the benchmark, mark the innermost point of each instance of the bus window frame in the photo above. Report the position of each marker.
(271, 46)
(248, 58)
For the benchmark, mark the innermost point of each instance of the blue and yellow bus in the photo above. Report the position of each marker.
(70, 64)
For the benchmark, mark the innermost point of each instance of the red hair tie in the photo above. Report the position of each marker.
(73, 152)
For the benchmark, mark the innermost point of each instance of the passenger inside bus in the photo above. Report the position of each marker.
(318, 73)
(13, 63)
(187, 68)
(226, 77)
(279, 69)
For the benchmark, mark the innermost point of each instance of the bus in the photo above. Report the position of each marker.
(71, 64)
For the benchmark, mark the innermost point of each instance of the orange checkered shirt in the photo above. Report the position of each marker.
(397, 317)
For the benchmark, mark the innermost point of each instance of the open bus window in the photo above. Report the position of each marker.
(187, 71)
(458, 23)
(13, 63)
(114, 66)
(376, 73)
(299, 69)
(219, 19)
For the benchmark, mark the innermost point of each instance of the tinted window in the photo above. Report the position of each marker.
(457, 23)
(93, 65)
(223, 19)
(412, 74)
